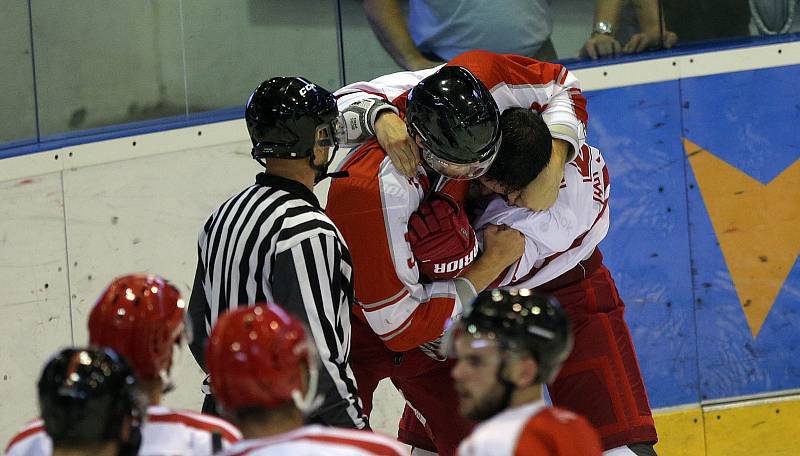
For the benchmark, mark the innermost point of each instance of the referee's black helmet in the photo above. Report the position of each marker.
(86, 396)
(284, 114)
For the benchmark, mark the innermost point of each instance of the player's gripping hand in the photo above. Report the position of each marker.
(392, 134)
(441, 238)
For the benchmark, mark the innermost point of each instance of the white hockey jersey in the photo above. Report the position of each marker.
(319, 440)
(166, 432)
(557, 239)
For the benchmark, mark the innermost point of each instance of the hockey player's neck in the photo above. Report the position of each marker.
(104, 449)
(153, 389)
(297, 170)
(277, 421)
(526, 395)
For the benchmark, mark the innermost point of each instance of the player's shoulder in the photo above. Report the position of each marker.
(497, 435)
(371, 441)
(193, 421)
(563, 429)
(316, 439)
(31, 439)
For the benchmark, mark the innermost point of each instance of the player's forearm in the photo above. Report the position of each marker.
(562, 153)
(390, 26)
(483, 272)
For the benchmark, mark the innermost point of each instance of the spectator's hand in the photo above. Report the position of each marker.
(421, 63)
(599, 46)
(392, 135)
(503, 245)
(647, 40)
(541, 193)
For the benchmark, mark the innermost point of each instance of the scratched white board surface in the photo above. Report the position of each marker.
(34, 309)
(143, 215)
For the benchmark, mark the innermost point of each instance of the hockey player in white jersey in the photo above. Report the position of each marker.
(265, 380)
(90, 405)
(141, 317)
(562, 257)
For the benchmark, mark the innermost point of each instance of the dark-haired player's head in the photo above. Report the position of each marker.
(90, 403)
(524, 152)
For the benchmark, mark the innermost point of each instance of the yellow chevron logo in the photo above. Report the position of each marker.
(756, 225)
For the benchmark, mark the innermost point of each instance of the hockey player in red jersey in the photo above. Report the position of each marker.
(507, 346)
(141, 317)
(454, 117)
(265, 380)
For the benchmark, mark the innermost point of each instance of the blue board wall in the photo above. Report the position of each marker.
(691, 334)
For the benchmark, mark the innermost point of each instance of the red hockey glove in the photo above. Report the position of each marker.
(441, 238)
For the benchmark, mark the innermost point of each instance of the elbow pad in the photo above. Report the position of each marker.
(359, 119)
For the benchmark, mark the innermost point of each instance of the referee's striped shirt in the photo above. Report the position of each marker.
(272, 242)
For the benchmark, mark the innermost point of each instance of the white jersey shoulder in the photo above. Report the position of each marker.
(31, 440)
(168, 432)
(318, 440)
(499, 435)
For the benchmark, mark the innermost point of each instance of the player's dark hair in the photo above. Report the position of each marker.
(524, 151)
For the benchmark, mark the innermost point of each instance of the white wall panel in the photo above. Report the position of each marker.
(143, 215)
(34, 308)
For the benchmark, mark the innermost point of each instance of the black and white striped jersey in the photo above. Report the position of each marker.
(272, 242)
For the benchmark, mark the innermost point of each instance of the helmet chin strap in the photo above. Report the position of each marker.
(508, 388)
(311, 401)
(322, 170)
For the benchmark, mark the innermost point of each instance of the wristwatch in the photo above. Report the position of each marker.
(602, 28)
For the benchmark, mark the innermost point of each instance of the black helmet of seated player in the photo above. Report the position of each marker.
(86, 397)
(284, 116)
(457, 120)
(522, 320)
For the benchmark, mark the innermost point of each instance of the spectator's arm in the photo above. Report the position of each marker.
(601, 45)
(390, 26)
(652, 32)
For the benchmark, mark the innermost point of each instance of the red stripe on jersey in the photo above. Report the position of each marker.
(367, 307)
(377, 94)
(493, 69)
(24, 435)
(195, 423)
(373, 447)
(579, 105)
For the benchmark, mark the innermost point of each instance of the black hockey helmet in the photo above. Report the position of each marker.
(85, 396)
(521, 320)
(283, 115)
(457, 120)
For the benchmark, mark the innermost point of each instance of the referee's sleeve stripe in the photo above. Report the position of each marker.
(321, 324)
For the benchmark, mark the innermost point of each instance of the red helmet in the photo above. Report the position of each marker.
(258, 357)
(141, 317)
